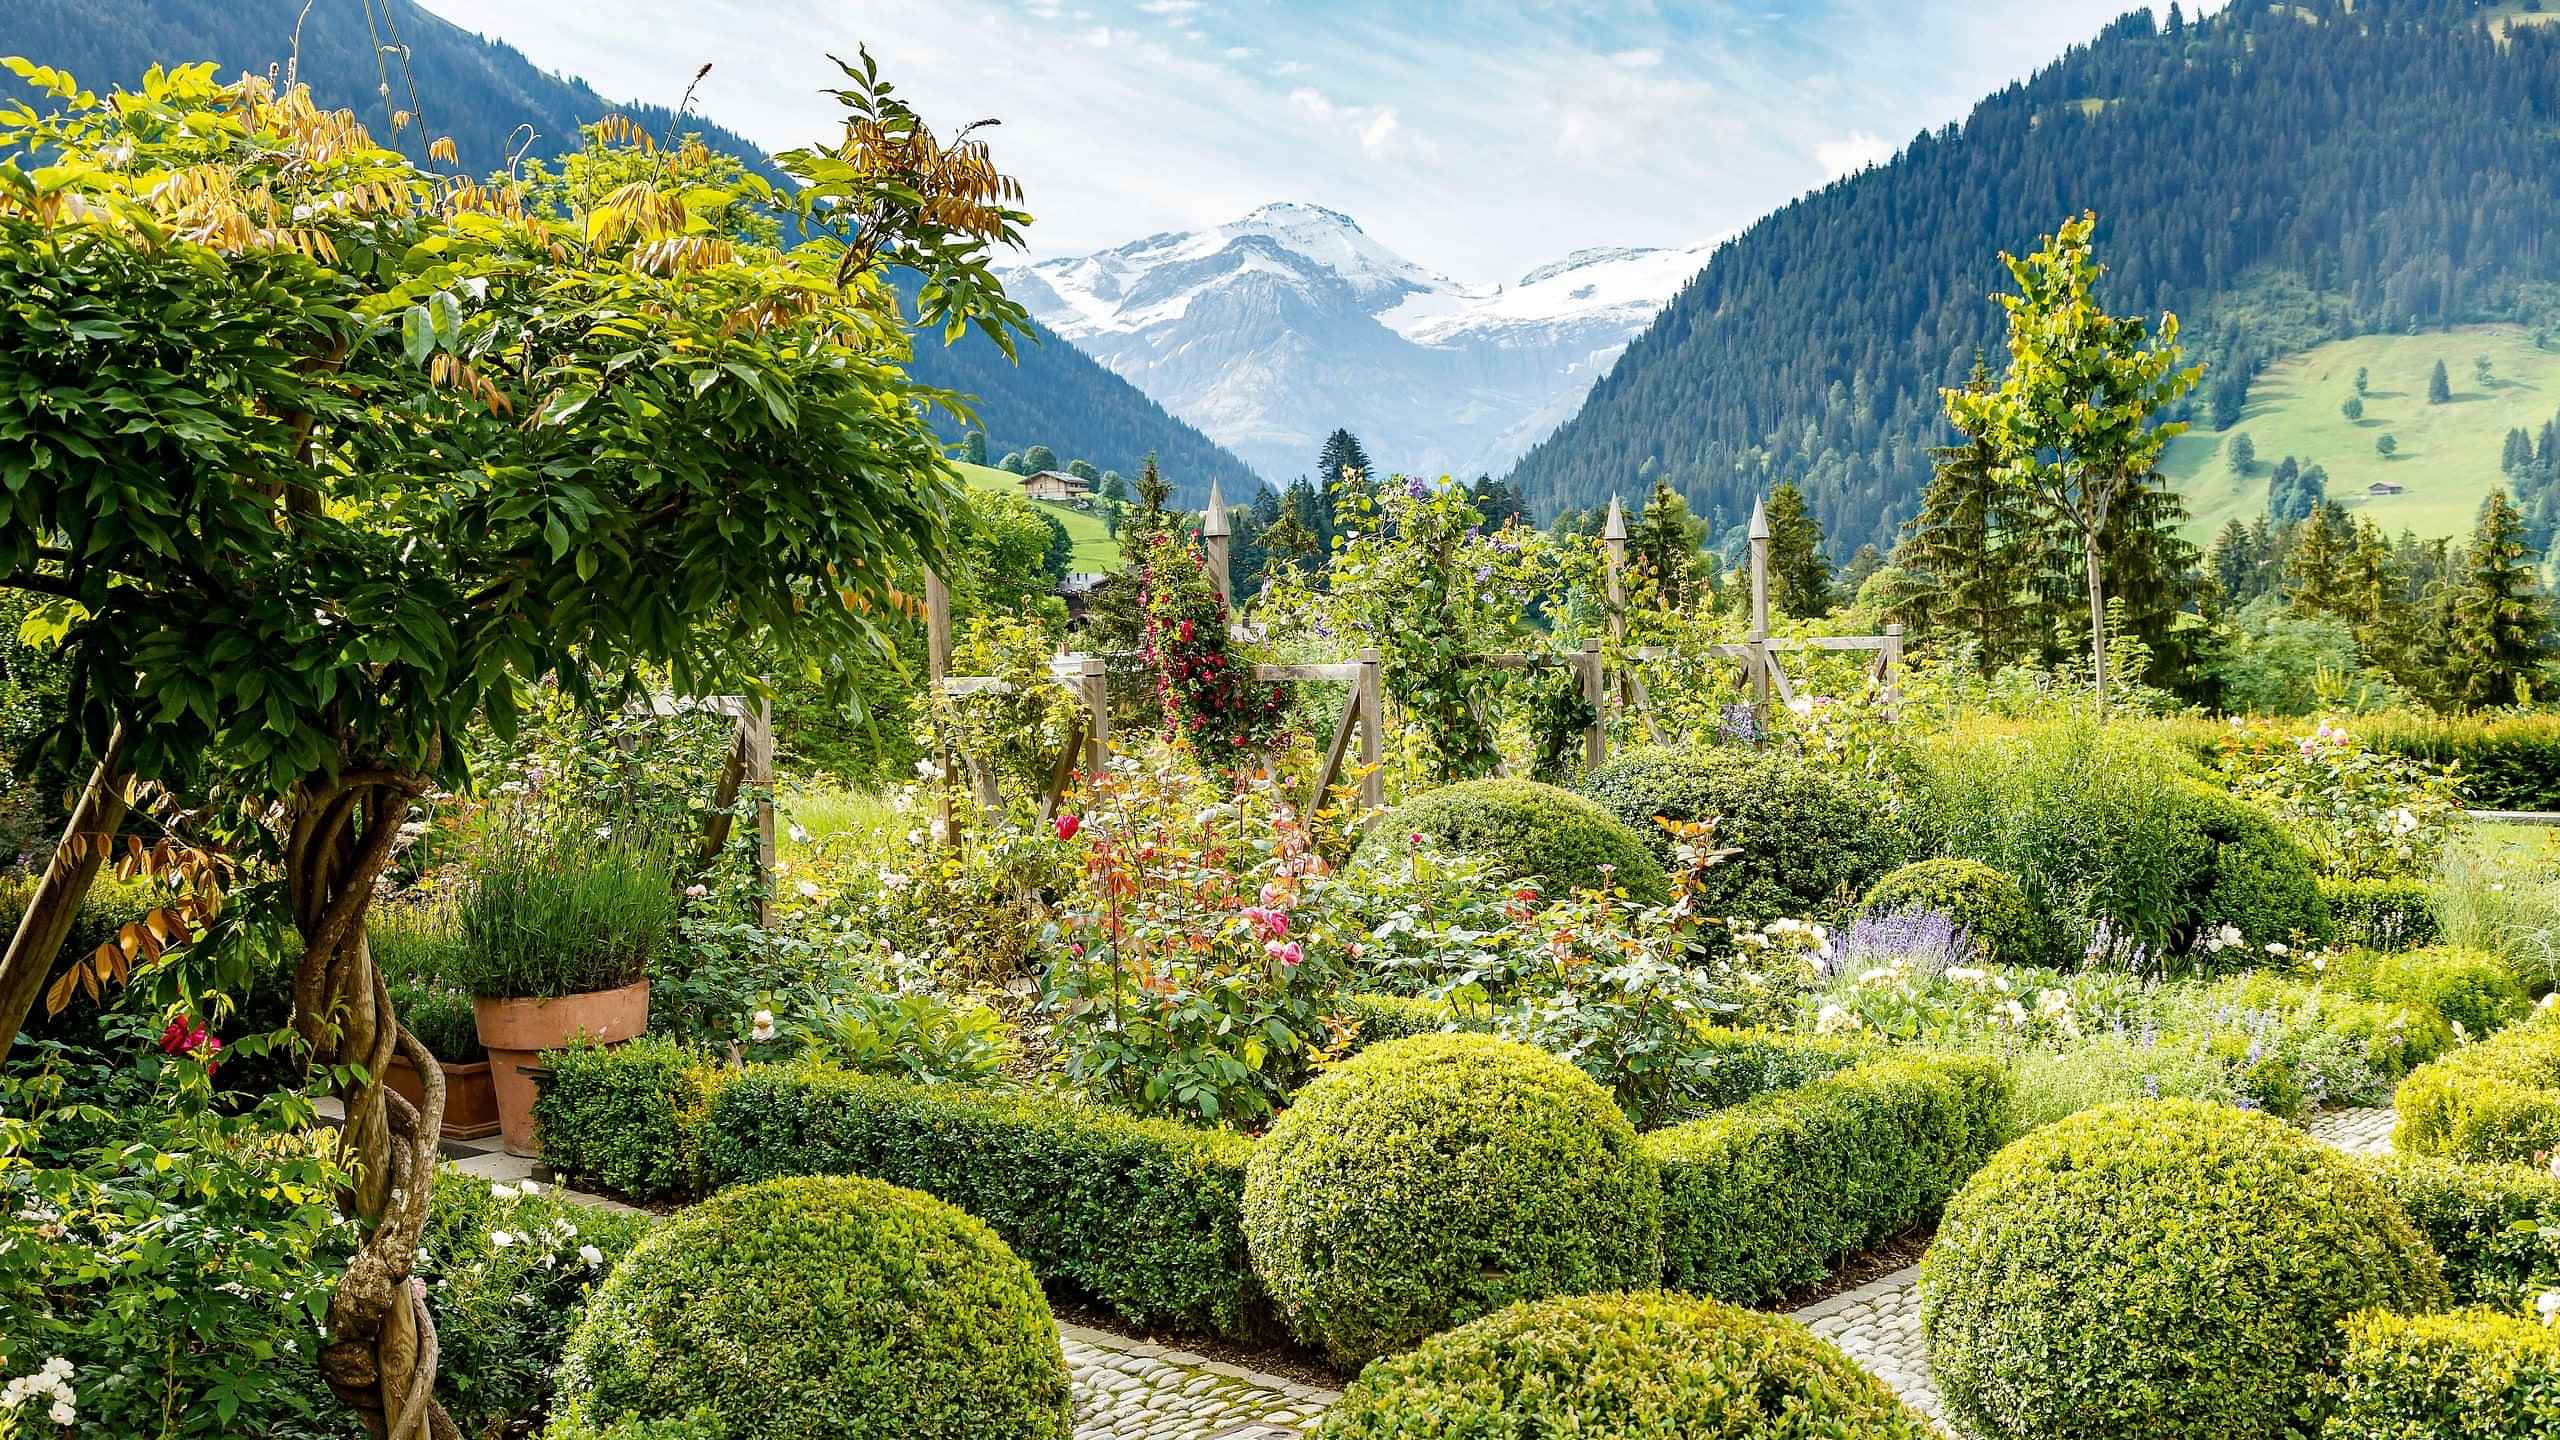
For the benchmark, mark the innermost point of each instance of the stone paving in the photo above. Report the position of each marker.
(2358, 1132)
(1878, 1325)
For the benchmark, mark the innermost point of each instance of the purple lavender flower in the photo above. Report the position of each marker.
(1929, 941)
(1741, 725)
(2150, 1087)
(1484, 574)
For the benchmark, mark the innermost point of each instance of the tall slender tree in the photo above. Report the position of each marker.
(2499, 623)
(1799, 573)
(1665, 544)
(1342, 455)
(1969, 545)
(2075, 419)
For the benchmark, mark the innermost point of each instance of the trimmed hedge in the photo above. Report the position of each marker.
(1744, 1063)
(2474, 1375)
(2468, 988)
(823, 1307)
(2381, 914)
(1628, 1367)
(1987, 903)
(627, 1117)
(1761, 1199)
(2160, 1271)
(1432, 1180)
(2258, 879)
(2502, 762)
(1810, 840)
(1144, 1216)
(2497, 1100)
(2471, 1214)
(1531, 830)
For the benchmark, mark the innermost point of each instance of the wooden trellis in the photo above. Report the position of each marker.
(749, 764)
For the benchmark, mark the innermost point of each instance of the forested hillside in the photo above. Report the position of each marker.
(2278, 175)
(480, 90)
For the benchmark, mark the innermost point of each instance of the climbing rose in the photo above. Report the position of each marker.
(1068, 825)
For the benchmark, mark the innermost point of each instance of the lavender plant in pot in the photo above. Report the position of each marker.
(561, 917)
(419, 948)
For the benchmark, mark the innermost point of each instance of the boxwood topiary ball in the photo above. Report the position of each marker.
(2165, 1270)
(827, 1306)
(1432, 1180)
(1988, 903)
(1630, 1367)
(1529, 828)
(1809, 840)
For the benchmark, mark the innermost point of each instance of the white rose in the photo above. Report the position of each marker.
(761, 1026)
(593, 1256)
(501, 1239)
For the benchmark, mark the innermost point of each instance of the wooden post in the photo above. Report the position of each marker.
(1373, 745)
(1094, 688)
(1893, 672)
(1595, 736)
(937, 629)
(1613, 546)
(1214, 532)
(755, 743)
(1760, 611)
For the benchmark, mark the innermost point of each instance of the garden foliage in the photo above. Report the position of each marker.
(1808, 840)
(2470, 1375)
(1534, 831)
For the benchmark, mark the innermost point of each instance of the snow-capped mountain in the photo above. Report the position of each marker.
(1270, 331)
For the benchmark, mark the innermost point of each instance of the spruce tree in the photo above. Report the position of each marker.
(2499, 623)
(2439, 385)
(1341, 455)
(1969, 548)
(1664, 545)
(2233, 562)
(1799, 573)
(2318, 576)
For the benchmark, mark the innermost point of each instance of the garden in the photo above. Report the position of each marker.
(413, 580)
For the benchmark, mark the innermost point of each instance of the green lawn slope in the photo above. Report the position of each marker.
(1096, 551)
(2448, 455)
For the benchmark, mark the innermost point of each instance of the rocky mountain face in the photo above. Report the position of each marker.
(1269, 332)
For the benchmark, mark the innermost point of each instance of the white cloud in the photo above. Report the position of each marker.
(1100, 37)
(1378, 129)
(1170, 7)
(1638, 59)
(1851, 153)
(1239, 52)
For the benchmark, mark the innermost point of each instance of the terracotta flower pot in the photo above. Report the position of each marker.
(516, 1032)
(470, 1104)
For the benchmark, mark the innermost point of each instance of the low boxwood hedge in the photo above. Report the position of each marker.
(1745, 1062)
(2168, 1270)
(1627, 1367)
(1144, 1216)
(2381, 914)
(2497, 1100)
(823, 1306)
(1530, 830)
(2470, 1375)
(2501, 762)
(2484, 1220)
(1432, 1180)
(2469, 988)
(1764, 1197)
(627, 1118)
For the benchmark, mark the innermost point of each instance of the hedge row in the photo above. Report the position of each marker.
(2483, 1219)
(1759, 1199)
(2381, 914)
(2503, 762)
(1143, 1216)
(2470, 1375)
(630, 1117)
(2497, 1100)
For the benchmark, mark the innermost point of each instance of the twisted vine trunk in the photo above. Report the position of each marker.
(46, 922)
(381, 1355)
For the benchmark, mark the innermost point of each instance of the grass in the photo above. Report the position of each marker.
(1096, 551)
(2448, 454)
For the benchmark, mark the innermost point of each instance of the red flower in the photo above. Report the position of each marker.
(1068, 825)
(174, 1039)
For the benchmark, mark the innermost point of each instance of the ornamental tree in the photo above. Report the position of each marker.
(2073, 420)
(318, 458)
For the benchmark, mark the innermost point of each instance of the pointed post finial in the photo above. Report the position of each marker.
(1759, 520)
(1213, 520)
(1616, 529)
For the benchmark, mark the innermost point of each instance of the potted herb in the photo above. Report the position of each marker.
(418, 948)
(560, 921)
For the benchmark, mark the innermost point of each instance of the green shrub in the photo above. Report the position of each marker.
(420, 950)
(2482, 1219)
(1377, 1019)
(442, 1020)
(2501, 896)
(503, 1312)
(824, 1307)
(1810, 841)
(2171, 1270)
(1144, 1216)
(1432, 1180)
(2107, 1069)
(2502, 762)
(2466, 987)
(1765, 1197)
(2382, 914)
(1627, 1367)
(563, 906)
(628, 1117)
(2497, 1100)
(2475, 1375)
(1743, 1063)
(1989, 905)
(2112, 826)
(1532, 830)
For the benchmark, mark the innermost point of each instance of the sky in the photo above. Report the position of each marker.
(1478, 139)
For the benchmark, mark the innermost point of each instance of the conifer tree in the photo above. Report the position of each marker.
(2318, 577)
(2499, 622)
(1341, 455)
(2439, 385)
(1664, 544)
(1968, 545)
(1799, 573)
(2233, 563)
